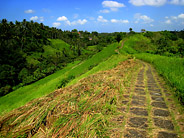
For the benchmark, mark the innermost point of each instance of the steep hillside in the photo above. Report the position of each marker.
(47, 85)
(83, 109)
(31, 51)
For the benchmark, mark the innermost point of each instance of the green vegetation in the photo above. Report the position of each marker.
(171, 68)
(166, 59)
(138, 43)
(87, 109)
(162, 43)
(88, 67)
(39, 65)
(35, 90)
(110, 63)
(52, 82)
(31, 51)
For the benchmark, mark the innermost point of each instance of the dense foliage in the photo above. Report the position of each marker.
(102, 60)
(29, 52)
(169, 43)
(16, 41)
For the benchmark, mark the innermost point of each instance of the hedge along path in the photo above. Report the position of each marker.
(149, 110)
(128, 101)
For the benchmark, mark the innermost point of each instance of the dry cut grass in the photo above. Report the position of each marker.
(81, 110)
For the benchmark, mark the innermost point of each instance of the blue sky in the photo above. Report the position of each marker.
(98, 15)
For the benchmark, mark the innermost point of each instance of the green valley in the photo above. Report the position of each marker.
(89, 84)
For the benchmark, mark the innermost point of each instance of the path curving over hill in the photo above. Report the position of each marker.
(129, 101)
(122, 44)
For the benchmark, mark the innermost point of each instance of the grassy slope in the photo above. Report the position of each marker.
(49, 50)
(44, 86)
(59, 44)
(106, 65)
(95, 60)
(25, 94)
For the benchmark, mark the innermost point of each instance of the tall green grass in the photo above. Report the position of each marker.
(59, 44)
(137, 43)
(171, 68)
(106, 65)
(94, 60)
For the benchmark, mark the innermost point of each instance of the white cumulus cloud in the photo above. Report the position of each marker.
(81, 22)
(101, 19)
(144, 18)
(56, 24)
(114, 20)
(68, 22)
(62, 18)
(119, 21)
(148, 2)
(29, 11)
(168, 22)
(181, 16)
(177, 2)
(175, 19)
(34, 18)
(113, 5)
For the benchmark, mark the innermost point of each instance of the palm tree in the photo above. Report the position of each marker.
(4, 21)
(130, 29)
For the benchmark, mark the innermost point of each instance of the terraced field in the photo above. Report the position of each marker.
(129, 101)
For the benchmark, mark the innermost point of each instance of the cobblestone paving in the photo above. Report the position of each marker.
(146, 110)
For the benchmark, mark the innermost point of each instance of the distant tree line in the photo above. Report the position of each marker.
(21, 40)
(169, 43)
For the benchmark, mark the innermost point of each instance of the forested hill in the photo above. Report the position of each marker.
(29, 53)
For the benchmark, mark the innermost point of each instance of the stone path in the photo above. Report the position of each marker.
(145, 110)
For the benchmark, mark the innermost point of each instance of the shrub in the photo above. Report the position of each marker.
(64, 81)
(5, 90)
